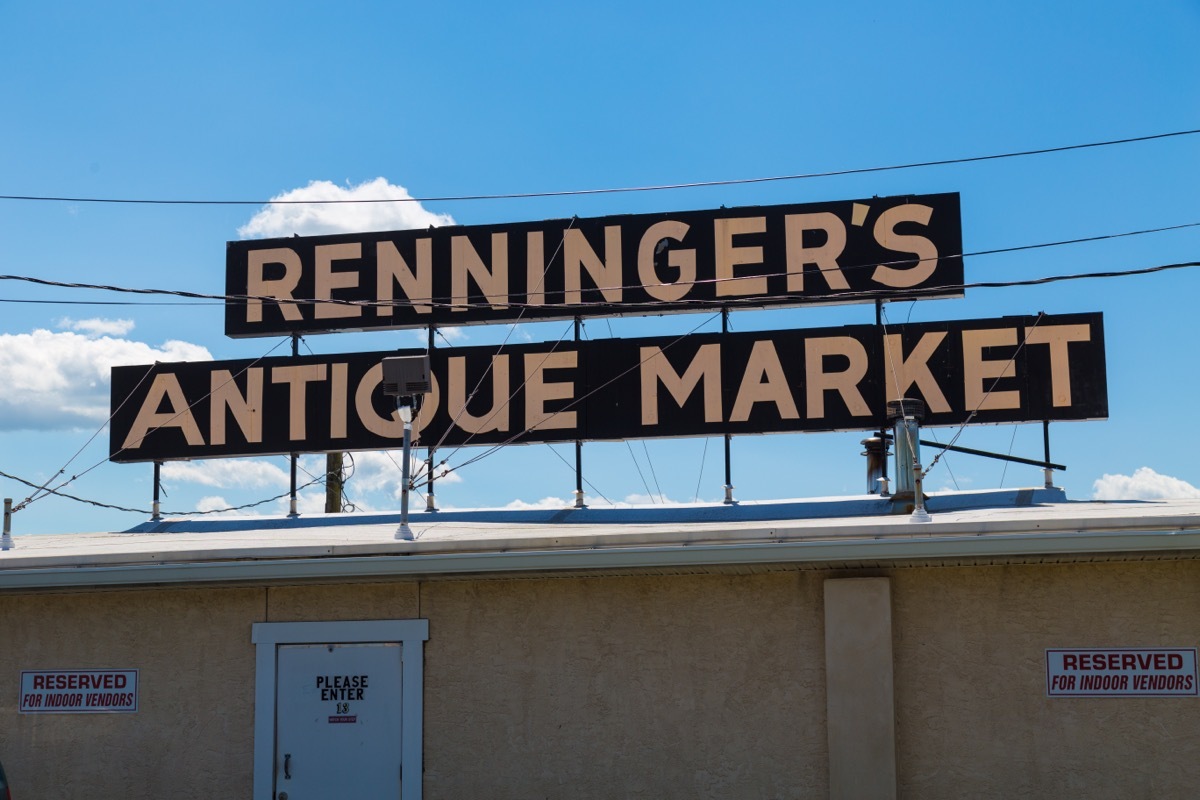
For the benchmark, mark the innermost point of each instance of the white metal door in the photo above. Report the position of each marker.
(338, 718)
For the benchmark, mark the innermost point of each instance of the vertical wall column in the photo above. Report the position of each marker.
(859, 696)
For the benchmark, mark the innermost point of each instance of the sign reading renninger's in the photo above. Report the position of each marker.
(833, 252)
(1013, 369)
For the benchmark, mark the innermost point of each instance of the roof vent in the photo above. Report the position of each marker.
(905, 416)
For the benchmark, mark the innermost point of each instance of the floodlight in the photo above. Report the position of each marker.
(406, 378)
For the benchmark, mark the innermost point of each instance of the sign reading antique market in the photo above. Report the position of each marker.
(1122, 672)
(83, 691)
(759, 256)
(1012, 369)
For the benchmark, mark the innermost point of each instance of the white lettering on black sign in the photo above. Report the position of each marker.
(844, 251)
(1014, 369)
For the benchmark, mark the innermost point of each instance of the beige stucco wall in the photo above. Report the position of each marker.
(192, 734)
(675, 686)
(343, 602)
(973, 718)
(655, 687)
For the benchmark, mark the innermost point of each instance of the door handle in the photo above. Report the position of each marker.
(287, 766)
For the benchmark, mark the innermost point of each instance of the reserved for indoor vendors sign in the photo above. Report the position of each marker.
(1122, 672)
(80, 691)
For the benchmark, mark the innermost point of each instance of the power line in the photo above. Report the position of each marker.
(104, 302)
(47, 491)
(39, 493)
(1004, 373)
(511, 302)
(98, 504)
(571, 467)
(614, 190)
(496, 447)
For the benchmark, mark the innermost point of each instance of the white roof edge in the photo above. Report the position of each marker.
(379, 567)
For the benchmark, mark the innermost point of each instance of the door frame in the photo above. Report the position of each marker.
(411, 634)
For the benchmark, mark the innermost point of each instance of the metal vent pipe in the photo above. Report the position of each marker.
(876, 451)
(905, 416)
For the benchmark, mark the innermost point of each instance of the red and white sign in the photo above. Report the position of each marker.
(1122, 672)
(79, 691)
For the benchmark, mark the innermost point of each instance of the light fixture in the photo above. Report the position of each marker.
(407, 379)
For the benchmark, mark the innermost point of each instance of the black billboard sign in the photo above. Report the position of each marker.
(832, 252)
(1012, 369)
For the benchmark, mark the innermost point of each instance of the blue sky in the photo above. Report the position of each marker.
(247, 101)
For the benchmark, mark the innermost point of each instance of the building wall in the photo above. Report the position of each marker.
(683, 686)
(192, 734)
(667, 687)
(972, 714)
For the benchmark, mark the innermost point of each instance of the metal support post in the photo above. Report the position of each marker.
(292, 512)
(295, 457)
(919, 513)
(430, 501)
(404, 532)
(155, 510)
(728, 438)
(1047, 471)
(579, 503)
(6, 540)
(883, 432)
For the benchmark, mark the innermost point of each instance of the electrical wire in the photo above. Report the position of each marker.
(916, 292)
(494, 448)
(507, 401)
(995, 382)
(700, 478)
(650, 463)
(470, 301)
(40, 492)
(57, 490)
(908, 437)
(99, 504)
(946, 461)
(503, 344)
(106, 302)
(616, 190)
(585, 480)
(1012, 440)
(638, 467)
(979, 284)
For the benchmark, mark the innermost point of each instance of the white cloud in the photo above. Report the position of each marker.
(277, 220)
(453, 335)
(97, 326)
(1143, 484)
(544, 503)
(227, 473)
(216, 503)
(379, 471)
(646, 499)
(519, 332)
(310, 502)
(59, 381)
(630, 501)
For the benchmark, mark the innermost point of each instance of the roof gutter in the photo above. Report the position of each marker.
(325, 568)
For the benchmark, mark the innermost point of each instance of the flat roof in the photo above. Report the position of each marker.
(1000, 526)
